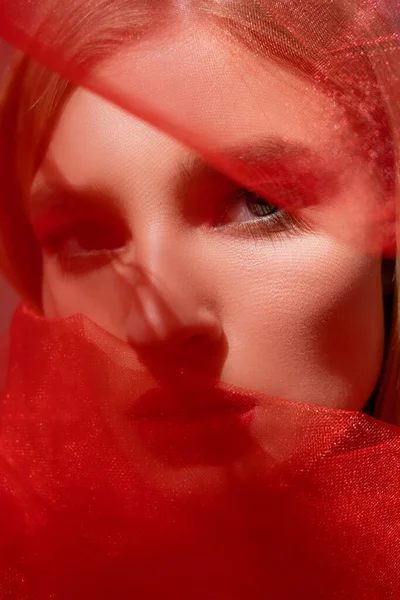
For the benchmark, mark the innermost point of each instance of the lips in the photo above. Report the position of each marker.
(194, 402)
(193, 425)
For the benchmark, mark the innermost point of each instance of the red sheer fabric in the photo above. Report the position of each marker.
(3, 360)
(342, 47)
(86, 513)
(98, 501)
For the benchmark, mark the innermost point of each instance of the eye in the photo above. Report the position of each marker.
(84, 245)
(84, 238)
(245, 206)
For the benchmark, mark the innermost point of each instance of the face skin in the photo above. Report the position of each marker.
(211, 287)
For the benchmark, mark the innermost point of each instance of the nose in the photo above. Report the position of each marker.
(168, 313)
(169, 306)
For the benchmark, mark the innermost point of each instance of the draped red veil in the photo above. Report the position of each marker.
(94, 501)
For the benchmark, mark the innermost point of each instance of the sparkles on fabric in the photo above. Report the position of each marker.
(96, 500)
(87, 514)
(347, 48)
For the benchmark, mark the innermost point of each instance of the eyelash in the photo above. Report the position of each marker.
(278, 224)
(54, 244)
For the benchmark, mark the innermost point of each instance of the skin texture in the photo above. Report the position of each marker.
(295, 314)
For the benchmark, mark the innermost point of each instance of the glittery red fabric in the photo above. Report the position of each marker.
(88, 509)
(95, 502)
(347, 48)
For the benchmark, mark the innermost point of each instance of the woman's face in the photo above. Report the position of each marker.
(199, 275)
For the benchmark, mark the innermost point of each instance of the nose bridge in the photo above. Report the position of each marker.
(165, 256)
(168, 302)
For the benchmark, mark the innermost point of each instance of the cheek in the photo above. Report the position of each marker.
(305, 317)
(100, 296)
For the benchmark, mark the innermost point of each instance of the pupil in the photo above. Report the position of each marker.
(259, 207)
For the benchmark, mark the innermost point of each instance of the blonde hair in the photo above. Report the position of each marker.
(34, 96)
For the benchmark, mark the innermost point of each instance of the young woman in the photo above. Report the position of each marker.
(103, 197)
(225, 229)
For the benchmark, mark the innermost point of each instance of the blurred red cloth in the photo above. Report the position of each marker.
(4, 340)
(315, 512)
(87, 511)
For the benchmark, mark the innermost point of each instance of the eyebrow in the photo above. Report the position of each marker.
(252, 155)
(270, 148)
(59, 195)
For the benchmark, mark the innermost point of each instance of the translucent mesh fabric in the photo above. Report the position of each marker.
(106, 492)
(189, 54)
(94, 507)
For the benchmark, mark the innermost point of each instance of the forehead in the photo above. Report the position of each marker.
(203, 89)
